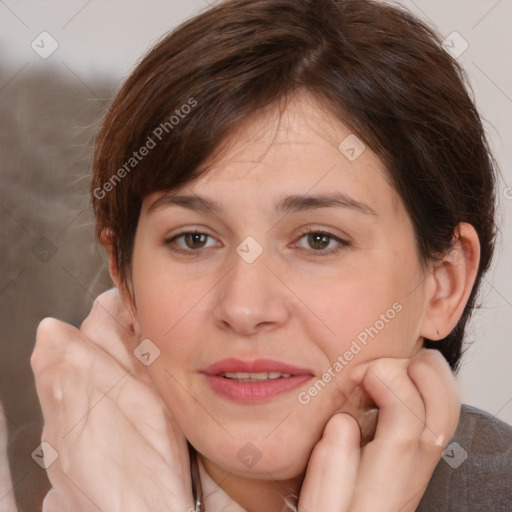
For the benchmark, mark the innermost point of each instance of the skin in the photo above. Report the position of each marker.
(298, 306)
(7, 500)
(289, 304)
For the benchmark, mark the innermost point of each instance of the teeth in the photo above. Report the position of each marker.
(245, 376)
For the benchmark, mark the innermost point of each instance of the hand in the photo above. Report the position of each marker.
(7, 500)
(418, 413)
(119, 449)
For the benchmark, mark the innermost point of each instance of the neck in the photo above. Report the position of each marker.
(251, 494)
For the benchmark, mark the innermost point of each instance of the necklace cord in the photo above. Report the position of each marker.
(197, 491)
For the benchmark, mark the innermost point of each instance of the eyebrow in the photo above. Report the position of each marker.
(287, 204)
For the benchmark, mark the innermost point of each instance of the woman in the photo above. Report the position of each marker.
(297, 201)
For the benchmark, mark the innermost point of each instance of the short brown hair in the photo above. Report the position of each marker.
(377, 68)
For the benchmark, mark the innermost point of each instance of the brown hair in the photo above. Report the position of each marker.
(378, 68)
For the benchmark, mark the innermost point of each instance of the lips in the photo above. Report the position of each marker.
(254, 381)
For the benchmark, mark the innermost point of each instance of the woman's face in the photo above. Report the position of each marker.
(304, 265)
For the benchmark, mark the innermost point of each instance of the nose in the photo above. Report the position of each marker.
(251, 298)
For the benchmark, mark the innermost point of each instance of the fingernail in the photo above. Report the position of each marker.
(439, 441)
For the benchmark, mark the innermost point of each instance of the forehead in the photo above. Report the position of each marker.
(302, 149)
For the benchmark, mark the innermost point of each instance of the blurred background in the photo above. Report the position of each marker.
(61, 62)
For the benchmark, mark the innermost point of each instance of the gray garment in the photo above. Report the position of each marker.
(482, 482)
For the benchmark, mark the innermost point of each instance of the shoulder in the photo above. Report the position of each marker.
(475, 472)
(483, 430)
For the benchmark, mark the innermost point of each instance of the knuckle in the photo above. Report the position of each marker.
(47, 329)
(388, 369)
(428, 357)
(107, 301)
(49, 333)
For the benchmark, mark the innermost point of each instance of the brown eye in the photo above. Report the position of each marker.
(190, 242)
(318, 241)
(322, 243)
(195, 240)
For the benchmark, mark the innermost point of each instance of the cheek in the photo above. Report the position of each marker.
(343, 308)
(164, 300)
(367, 319)
(363, 315)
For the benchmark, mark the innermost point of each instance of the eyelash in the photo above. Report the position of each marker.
(326, 252)
(304, 232)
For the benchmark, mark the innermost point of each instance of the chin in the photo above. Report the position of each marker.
(264, 460)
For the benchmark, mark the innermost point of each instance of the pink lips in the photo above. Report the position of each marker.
(260, 391)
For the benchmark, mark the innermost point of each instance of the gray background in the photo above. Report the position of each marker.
(49, 109)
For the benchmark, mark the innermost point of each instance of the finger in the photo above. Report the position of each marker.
(394, 469)
(69, 370)
(53, 503)
(332, 469)
(48, 364)
(361, 407)
(435, 382)
(401, 409)
(50, 343)
(58, 343)
(109, 310)
(110, 326)
(155, 424)
(392, 477)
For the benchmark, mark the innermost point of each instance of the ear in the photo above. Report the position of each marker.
(125, 290)
(451, 282)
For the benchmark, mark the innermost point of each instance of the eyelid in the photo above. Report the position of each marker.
(201, 230)
(326, 231)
